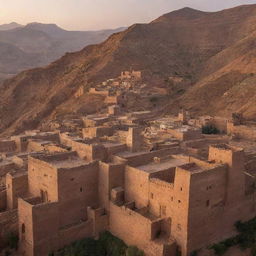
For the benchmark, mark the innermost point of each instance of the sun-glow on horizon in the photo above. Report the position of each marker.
(100, 14)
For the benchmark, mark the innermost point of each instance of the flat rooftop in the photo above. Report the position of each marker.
(192, 167)
(62, 160)
(162, 165)
(127, 154)
(224, 146)
(69, 163)
(112, 144)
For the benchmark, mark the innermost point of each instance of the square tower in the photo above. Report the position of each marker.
(234, 158)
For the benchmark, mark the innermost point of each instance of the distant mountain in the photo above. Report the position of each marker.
(38, 44)
(214, 53)
(10, 26)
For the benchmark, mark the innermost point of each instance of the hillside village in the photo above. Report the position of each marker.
(155, 181)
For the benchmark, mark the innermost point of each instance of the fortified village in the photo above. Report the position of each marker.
(155, 181)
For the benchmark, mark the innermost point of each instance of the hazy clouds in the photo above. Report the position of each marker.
(97, 14)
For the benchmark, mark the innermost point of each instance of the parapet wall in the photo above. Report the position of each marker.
(135, 229)
(242, 131)
(185, 135)
(89, 151)
(74, 233)
(97, 132)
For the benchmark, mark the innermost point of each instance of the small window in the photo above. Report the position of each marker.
(180, 188)
(81, 189)
(23, 228)
(208, 203)
(179, 201)
(72, 179)
(152, 195)
(172, 198)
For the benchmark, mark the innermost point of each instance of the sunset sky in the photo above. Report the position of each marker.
(100, 14)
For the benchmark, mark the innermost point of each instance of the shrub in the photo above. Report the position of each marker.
(210, 129)
(246, 238)
(219, 249)
(194, 253)
(133, 251)
(106, 245)
(12, 240)
(153, 99)
(112, 245)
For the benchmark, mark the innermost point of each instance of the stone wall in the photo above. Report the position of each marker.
(242, 131)
(135, 229)
(42, 179)
(110, 176)
(17, 186)
(7, 146)
(77, 189)
(89, 151)
(93, 132)
(161, 196)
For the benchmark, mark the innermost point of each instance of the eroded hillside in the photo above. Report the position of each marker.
(213, 52)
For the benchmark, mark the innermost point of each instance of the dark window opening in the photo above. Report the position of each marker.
(81, 189)
(207, 203)
(23, 228)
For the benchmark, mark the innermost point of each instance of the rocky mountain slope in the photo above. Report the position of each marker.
(34, 45)
(213, 52)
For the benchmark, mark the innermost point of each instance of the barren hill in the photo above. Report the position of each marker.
(40, 44)
(213, 52)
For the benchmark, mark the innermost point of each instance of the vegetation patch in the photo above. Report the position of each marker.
(106, 245)
(154, 99)
(12, 240)
(210, 129)
(246, 239)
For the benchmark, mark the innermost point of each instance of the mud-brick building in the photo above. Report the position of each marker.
(60, 188)
(161, 201)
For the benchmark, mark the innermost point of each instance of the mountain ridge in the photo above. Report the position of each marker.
(44, 43)
(9, 26)
(210, 54)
